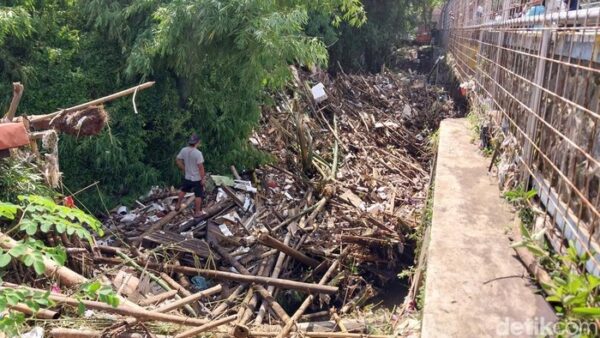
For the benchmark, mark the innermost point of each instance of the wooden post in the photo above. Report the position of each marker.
(17, 94)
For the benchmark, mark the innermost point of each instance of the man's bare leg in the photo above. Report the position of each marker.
(180, 197)
(197, 207)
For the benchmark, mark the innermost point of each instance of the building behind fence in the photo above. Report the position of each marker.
(535, 69)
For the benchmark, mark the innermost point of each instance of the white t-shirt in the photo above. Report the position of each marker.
(191, 157)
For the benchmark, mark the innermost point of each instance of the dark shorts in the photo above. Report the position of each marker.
(196, 187)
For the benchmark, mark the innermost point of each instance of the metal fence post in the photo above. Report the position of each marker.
(534, 104)
(499, 44)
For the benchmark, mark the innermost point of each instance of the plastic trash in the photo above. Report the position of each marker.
(225, 230)
(36, 332)
(122, 210)
(199, 283)
(318, 93)
(129, 218)
(245, 186)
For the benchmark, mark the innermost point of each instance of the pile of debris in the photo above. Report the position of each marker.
(295, 247)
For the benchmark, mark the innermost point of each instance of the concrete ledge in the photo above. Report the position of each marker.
(475, 286)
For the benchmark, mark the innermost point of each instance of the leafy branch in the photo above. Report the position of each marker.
(40, 214)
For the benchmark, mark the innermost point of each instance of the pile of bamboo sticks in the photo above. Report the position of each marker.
(298, 246)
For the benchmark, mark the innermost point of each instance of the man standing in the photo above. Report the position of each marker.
(191, 162)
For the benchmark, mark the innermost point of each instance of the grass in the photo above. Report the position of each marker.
(433, 141)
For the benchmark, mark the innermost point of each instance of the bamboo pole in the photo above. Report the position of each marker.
(288, 325)
(272, 242)
(227, 302)
(295, 217)
(242, 278)
(274, 274)
(74, 333)
(309, 221)
(158, 298)
(138, 313)
(190, 298)
(176, 286)
(60, 332)
(111, 97)
(265, 267)
(279, 311)
(194, 332)
(183, 292)
(41, 313)
(244, 304)
(143, 315)
(368, 241)
(309, 316)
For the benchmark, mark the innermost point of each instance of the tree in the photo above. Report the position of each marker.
(224, 55)
(215, 64)
(367, 48)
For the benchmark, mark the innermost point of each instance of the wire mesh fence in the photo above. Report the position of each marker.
(534, 67)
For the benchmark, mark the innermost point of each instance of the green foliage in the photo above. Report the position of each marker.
(368, 47)
(33, 214)
(433, 141)
(224, 56)
(15, 22)
(20, 178)
(521, 198)
(421, 295)
(574, 292)
(213, 62)
(519, 195)
(12, 321)
(533, 242)
(97, 291)
(41, 213)
(8, 211)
